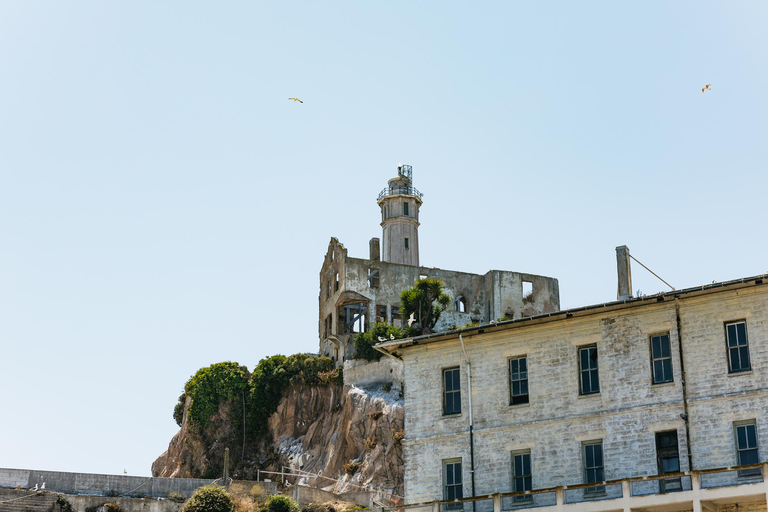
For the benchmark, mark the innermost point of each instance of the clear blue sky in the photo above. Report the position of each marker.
(164, 206)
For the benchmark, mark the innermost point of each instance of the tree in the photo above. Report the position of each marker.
(365, 341)
(210, 498)
(426, 301)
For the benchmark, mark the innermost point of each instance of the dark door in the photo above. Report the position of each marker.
(668, 459)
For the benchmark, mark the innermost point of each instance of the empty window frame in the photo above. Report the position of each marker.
(405, 209)
(668, 460)
(746, 447)
(738, 347)
(522, 479)
(461, 304)
(592, 457)
(518, 380)
(527, 290)
(452, 481)
(451, 391)
(373, 277)
(405, 243)
(661, 359)
(337, 282)
(589, 381)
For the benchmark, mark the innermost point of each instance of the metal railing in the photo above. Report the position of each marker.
(407, 191)
(637, 492)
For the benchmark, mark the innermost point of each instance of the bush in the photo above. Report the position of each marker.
(365, 341)
(175, 496)
(398, 435)
(210, 498)
(351, 467)
(370, 443)
(280, 503)
(63, 504)
(178, 410)
(112, 507)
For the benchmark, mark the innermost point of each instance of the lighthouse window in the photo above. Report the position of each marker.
(405, 209)
(406, 243)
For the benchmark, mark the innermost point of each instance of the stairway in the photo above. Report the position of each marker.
(27, 501)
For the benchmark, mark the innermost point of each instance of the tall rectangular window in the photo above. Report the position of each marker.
(452, 485)
(406, 243)
(589, 380)
(668, 460)
(518, 381)
(592, 456)
(451, 391)
(522, 479)
(738, 348)
(405, 209)
(746, 446)
(661, 359)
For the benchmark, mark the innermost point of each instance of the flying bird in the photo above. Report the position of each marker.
(382, 338)
(411, 319)
(706, 88)
(296, 99)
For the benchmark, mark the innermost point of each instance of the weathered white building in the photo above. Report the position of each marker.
(644, 404)
(356, 293)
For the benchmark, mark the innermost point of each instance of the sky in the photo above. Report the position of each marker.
(164, 206)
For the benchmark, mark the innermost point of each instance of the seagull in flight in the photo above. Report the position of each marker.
(411, 319)
(706, 88)
(296, 99)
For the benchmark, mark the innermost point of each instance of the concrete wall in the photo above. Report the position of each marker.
(366, 374)
(304, 495)
(80, 503)
(99, 485)
(625, 415)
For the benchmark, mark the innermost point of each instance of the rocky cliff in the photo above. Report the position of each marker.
(339, 438)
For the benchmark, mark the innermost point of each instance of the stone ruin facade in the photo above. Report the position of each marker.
(356, 293)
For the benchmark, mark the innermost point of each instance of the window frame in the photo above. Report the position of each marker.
(661, 358)
(405, 208)
(664, 453)
(456, 486)
(737, 347)
(582, 371)
(746, 473)
(597, 490)
(455, 393)
(526, 478)
(512, 381)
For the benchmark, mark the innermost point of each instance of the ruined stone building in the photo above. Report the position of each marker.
(355, 293)
(654, 403)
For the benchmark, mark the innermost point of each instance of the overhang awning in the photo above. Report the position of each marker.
(350, 297)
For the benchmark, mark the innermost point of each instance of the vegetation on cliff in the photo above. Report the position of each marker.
(365, 341)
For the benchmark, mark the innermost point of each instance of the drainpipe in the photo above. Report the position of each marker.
(471, 424)
(685, 393)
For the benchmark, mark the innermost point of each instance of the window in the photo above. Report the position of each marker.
(452, 484)
(592, 455)
(373, 277)
(451, 391)
(405, 209)
(521, 474)
(738, 349)
(337, 282)
(527, 291)
(518, 381)
(406, 243)
(668, 460)
(746, 447)
(461, 304)
(589, 380)
(661, 359)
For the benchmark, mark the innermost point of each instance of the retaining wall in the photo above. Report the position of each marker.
(99, 485)
(362, 373)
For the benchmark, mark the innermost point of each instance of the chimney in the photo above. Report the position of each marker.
(625, 273)
(374, 249)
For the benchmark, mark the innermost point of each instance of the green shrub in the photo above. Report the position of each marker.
(175, 497)
(210, 386)
(210, 498)
(63, 505)
(365, 341)
(280, 503)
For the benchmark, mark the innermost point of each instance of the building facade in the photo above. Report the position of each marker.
(590, 408)
(355, 293)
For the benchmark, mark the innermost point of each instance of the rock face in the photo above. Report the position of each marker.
(341, 439)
